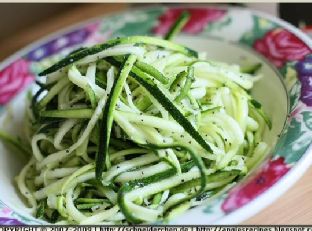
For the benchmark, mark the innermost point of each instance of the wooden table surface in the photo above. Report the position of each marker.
(294, 207)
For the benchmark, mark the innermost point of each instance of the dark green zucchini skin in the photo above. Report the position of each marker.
(173, 110)
(149, 69)
(102, 157)
(178, 25)
(129, 186)
(41, 209)
(193, 183)
(80, 54)
(251, 69)
(178, 79)
(258, 107)
(153, 89)
(34, 102)
(187, 86)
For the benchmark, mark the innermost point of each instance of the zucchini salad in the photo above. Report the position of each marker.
(137, 130)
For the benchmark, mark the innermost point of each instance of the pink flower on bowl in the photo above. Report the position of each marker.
(5, 211)
(13, 79)
(270, 173)
(281, 46)
(200, 17)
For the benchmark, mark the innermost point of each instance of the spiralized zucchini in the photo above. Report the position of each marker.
(137, 130)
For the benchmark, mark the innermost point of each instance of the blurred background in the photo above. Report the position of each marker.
(22, 23)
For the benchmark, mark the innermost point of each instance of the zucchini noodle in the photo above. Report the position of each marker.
(137, 130)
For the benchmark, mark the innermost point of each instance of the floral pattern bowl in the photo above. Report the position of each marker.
(287, 56)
